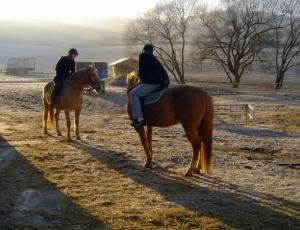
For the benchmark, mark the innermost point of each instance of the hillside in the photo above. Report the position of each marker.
(106, 31)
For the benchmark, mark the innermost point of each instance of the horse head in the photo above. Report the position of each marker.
(94, 79)
(132, 80)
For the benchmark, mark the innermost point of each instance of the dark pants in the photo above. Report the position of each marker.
(142, 90)
(56, 91)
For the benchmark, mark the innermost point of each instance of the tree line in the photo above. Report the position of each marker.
(235, 35)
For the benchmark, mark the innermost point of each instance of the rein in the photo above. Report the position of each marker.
(93, 84)
(72, 85)
(89, 82)
(132, 88)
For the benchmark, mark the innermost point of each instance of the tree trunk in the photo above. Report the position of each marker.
(279, 80)
(182, 81)
(181, 78)
(236, 82)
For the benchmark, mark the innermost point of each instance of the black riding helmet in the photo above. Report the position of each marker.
(73, 51)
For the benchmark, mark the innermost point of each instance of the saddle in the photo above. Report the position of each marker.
(153, 97)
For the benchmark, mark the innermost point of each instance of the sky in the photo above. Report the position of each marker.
(72, 10)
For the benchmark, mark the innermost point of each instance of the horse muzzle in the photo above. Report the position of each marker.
(100, 87)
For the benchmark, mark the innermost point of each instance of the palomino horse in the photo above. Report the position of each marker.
(70, 98)
(190, 106)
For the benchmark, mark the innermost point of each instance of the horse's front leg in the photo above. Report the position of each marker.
(68, 120)
(56, 122)
(46, 111)
(142, 133)
(149, 138)
(77, 114)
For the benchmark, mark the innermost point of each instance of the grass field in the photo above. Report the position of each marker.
(100, 182)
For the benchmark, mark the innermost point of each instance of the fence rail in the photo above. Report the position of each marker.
(249, 110)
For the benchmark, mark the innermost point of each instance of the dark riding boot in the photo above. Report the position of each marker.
(55, 93)
(138, 124)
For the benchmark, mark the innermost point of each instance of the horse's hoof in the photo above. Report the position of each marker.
(189, 173)
(78, 138)
(208, 172)
(148, 165)
(45, 132)
(69, 140)
(197, 171)
(59, 134)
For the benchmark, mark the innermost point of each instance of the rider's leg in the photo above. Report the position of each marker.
(56, 91)
(135, 95)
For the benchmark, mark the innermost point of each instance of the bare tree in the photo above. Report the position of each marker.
(233, 36)
(166, 27)
(286, 20)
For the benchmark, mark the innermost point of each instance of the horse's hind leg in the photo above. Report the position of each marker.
(77, 113)
(67, 113)
(193, 137)
(198, 167)
(56, 122)
(201, 134)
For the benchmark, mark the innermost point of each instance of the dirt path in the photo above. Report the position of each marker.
(99, 183)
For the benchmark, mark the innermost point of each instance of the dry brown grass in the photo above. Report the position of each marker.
(101, 183)
(95, 196)
(284, 120)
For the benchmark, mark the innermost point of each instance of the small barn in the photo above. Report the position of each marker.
(102, 67)
(20, 65)
(123, 66)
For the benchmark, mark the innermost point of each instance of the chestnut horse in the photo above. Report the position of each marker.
(70, 97)
(188, 105)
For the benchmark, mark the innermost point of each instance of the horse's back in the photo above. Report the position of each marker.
(187, 90)
(177, 104)
(187, 96)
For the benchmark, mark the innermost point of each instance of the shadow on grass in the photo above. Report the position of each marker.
(230, 203)
(29, 201)
(115, 98)
(251, 132)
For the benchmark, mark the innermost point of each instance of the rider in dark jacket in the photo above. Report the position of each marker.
(152, 77)
(151, 70)
(64, 68)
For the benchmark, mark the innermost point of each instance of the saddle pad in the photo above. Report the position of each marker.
(153, 97)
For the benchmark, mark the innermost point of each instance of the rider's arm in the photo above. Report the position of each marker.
(59, 64)
(143, 68)
(72, 67)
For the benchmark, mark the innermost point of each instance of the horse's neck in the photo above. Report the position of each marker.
(131, 86)
(77, 81)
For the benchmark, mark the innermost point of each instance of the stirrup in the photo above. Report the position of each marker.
(138, 124)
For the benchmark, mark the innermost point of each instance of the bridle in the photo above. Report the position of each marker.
(92, 83)
(89, 81)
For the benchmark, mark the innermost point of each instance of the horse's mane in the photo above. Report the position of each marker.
(76, 75)
(131, 80)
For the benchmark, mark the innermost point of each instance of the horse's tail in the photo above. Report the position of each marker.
(205, 131)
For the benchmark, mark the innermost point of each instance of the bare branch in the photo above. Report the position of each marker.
(234, 36)
(165, 27)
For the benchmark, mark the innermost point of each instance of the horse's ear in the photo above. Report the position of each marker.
(89, 67)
